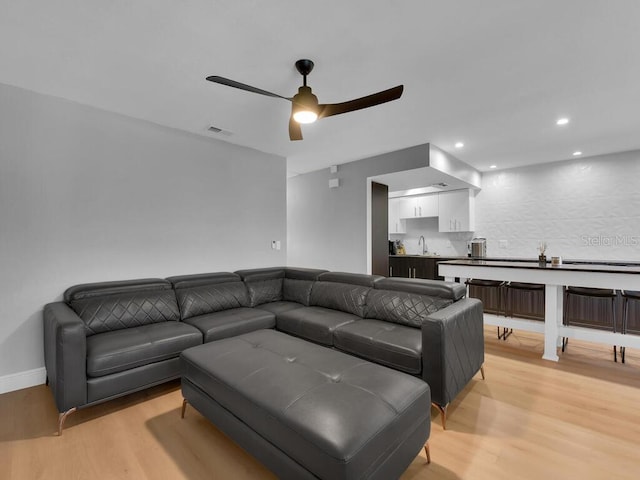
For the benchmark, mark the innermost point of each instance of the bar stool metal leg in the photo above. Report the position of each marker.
(626, 296)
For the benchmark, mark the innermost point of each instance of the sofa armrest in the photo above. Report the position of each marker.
(452, 348)
(65, 355)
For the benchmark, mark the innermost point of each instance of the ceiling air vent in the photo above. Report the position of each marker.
(214, 129)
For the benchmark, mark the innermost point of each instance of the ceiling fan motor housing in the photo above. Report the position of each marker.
(304, 66)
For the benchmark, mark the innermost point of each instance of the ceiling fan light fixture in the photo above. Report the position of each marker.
(305, 106)
(305, 116)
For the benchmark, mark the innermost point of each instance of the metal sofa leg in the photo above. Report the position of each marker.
(482, 371)
(427, 452)
(62, 417)
(184, 407)
(443, 414)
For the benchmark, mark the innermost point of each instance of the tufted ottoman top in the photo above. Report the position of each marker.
(338, 416)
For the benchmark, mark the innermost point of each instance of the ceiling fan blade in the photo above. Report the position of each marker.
(329, 109)
(248, 88)
(295, 132)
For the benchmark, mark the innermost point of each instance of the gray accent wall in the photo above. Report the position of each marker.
(87, 195)
(327, 227)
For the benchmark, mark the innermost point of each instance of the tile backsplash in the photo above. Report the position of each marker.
(583, 209)
(445, 244)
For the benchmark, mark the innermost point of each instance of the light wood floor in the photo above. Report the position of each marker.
(530, 419)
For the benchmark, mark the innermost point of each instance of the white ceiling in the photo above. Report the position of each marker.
(495, 74)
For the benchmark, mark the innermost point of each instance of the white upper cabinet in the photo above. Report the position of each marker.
(396, 224)
(419, 207)
(427, 205)
(456, 211)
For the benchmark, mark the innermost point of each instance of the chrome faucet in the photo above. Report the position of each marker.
(424, 244)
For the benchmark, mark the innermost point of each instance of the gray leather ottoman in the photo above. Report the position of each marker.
(307, 411)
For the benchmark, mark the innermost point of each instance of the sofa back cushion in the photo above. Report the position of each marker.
(404, 308)
(264, 284)
(346, 292)
(208, 293)
(108, 306)
(433, 288)
(298, 283)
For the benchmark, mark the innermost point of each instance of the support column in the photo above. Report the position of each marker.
(553, 305)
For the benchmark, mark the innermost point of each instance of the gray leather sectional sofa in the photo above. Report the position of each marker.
(109, 339)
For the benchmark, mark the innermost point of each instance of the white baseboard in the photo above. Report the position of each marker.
(20, 380)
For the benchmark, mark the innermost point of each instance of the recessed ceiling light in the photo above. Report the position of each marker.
(562, 121)
(493, 166)
(459, 145)
(577, 153)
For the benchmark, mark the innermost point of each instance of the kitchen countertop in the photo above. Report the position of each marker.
(417, 255)
(526, 260)
(601, 266)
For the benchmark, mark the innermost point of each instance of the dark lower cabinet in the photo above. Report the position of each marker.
(415, 267)
(409, 267)
(399, 267)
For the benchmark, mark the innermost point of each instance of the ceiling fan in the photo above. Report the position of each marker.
(305, 107)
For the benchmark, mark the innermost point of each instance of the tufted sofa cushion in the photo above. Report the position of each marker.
(402, 307)
(208, 293)
(346, 292)
(110, 306)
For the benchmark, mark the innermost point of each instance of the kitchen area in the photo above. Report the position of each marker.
(432, 220)
(430, 215)
(427, 229)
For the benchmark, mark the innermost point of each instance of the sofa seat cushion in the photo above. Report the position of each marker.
(120, 350)
(279, 307)
(396, 346)
(232, 322)
(314, 323)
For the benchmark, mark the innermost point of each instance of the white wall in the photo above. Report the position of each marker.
(584, 209)
(86, 195)
(327, 227)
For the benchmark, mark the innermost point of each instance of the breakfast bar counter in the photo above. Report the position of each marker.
(616, 276)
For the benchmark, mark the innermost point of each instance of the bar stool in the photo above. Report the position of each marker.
(600, 293)
(523, 287)
(486, 286)
(626, 296)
